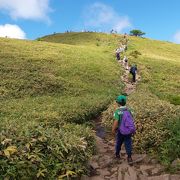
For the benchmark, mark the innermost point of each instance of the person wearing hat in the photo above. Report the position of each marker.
(121, 137)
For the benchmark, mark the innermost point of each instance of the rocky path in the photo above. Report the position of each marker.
(104, 166)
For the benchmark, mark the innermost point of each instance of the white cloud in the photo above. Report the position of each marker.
(12, 31)
(121, 24)
(176, 37)
(26, 9)
(100, 15)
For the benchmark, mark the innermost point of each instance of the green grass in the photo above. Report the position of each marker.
(160, 59)
(85, 39)
(69, 77)
(46, 87)
(161, 62)
(51, 87)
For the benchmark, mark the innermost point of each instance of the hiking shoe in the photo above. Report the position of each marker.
(130, 161)
(117, 156)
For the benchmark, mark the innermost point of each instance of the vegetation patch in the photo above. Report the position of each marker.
(46, 90)
(37, 150)
(50, 90)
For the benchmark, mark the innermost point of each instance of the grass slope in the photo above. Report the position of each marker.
(45, 89)
(72, 77)
(85, 39)
(157, 98)
(161, 61)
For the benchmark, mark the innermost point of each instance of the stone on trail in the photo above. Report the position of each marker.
(175, 177)
(157, 170)
(154, 161)
(104, 172)
(111, 143)
(175, 163)
(114, 169)
(95, 158)
(142, 177)
(120, 175)
(84, 177)
(138, 158)
(132, 174)
(113, 177)
(123, 152)
(161, 177)
(94, 164)
(121, 171)
(146, 167)
(105, 161)
(144, 173)
(95, 178)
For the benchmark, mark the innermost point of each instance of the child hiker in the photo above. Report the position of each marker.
(124, 128)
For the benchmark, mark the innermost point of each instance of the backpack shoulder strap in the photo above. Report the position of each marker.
(120, 113)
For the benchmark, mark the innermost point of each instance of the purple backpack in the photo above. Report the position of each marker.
(127, 123)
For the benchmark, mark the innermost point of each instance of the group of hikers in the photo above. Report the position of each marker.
(123, 125)
(132, 69)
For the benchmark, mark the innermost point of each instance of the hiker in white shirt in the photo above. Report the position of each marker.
(125, 61)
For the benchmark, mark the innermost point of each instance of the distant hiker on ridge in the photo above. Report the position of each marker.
(133, 71)
(125, 38)
(124, 128)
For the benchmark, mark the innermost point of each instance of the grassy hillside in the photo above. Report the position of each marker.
(85, 39)
(157, 99)
(159, 59)
(45, 88)
(161, 62)
(51, 87)
(32, 72)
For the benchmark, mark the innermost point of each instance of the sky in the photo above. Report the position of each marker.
(30, 19)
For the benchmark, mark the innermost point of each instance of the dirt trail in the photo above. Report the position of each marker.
(104, 166)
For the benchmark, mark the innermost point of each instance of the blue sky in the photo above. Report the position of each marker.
(34, 18)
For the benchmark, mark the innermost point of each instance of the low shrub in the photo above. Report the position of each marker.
(135, 54)
(36, 151)
(170, 148)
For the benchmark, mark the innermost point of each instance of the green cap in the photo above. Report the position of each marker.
(121, 98)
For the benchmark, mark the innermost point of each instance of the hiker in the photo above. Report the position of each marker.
(121, 49)
(125, 38)
(124, 128)
(125, 61)
(118, 54)
(125, 47)
(133, 71)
